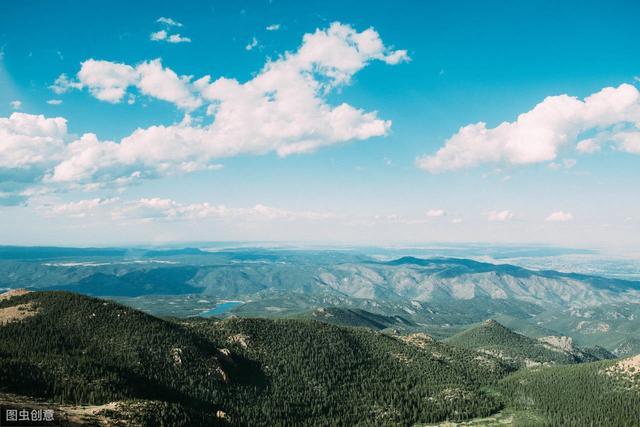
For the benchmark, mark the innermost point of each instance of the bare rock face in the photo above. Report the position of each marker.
(222, 415)
(222, 374)
(13, 293)
(420, 339)
(241, 339)
(558, 343)
(224, 354)
(176, 356)
(17, 312)
(628, 371)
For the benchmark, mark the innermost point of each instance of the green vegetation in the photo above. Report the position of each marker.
(73, 349)
(76, 349)
(493, 338)
(575, 395)
(357, 317)
(320, 374)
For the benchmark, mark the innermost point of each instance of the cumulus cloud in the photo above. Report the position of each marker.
(31, 141)
(109, 81)
(30, 145)
(628, 141)
(500, 216)
(162, 35)
(16, 105)
(54, 102)
(158, 36)
(177, 38)
(436, 213)
(165, 35)
(63, 84)
(539, 134)
(282, 109)
(559, 216)
(273, 27)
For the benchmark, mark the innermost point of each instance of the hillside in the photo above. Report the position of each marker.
(492, 338)
(598, 394)
(322, 374)
(73, 349)
(357, 317)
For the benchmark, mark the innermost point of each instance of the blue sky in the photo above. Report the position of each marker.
(566, 174)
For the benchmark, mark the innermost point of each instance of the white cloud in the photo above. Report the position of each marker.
(177, 38)
(252, 44)
(628, 141)
(54, 102)
(539, 134)
(588, 146)
(559, 216)
(63, 84)
(168, 22)
(109, 81)
(436, 213)
(163, 83)
(456, 221)
(162, 35)
(500, 216)
(16, 105)
(79, 209)
(282, 109)
(273, 27)
(159, 209)
(28, 141)
(158, 36)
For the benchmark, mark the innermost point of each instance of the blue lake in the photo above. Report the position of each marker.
(223, 307)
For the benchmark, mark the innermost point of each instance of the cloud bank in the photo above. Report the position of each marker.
(612, 115)
(283, 109)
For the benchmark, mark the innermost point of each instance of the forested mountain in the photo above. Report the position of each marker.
(70, 349)
(492, 338)
(74, 349)
(592, 394)
(357, 317)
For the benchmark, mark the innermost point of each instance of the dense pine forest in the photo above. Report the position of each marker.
(70, 349)
(493, 338)
(577, 395)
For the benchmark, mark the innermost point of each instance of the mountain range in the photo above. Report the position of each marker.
(440, 296)
(96, 361)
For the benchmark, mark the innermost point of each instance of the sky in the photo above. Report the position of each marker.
(400, 122)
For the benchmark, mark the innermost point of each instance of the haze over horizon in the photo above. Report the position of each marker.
(320, 122)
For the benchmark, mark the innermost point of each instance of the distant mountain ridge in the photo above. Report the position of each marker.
(274, 283)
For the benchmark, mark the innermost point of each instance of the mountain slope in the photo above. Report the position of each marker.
(597, 394)
(73, 349)
(357, 317)
(493, 338)
(323, 374)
